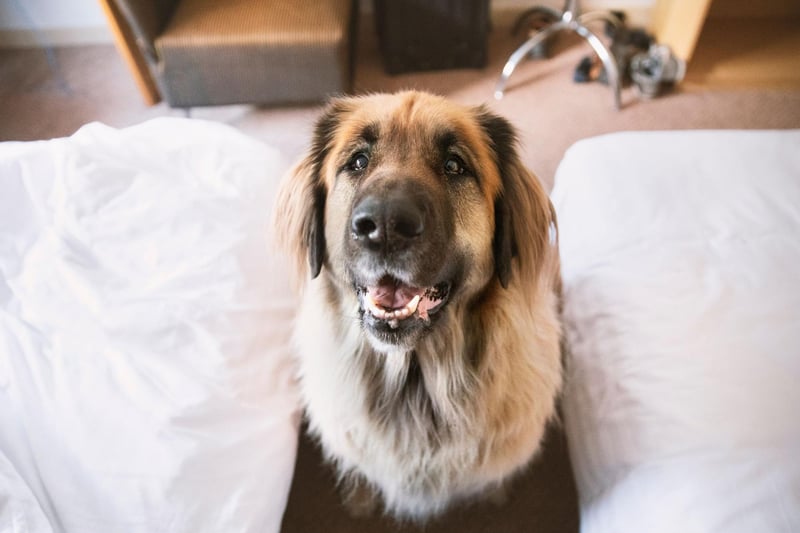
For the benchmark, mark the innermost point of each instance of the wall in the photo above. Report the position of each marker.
(52, 22)
(639, 11)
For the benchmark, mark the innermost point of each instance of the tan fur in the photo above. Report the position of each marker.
(465, 408)
(291, 214)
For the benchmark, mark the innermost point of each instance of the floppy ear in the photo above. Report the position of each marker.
(299, 216)
(523, 214)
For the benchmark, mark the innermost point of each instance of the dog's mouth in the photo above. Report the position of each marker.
(393, 303)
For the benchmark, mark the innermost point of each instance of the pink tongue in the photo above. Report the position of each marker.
(391, 295)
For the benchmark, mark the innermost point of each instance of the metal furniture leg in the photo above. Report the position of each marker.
(605, 16)
(610, 64)
(569, 20)
(520, 54)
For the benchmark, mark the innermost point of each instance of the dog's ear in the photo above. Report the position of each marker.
(299, 216)
(524, 217)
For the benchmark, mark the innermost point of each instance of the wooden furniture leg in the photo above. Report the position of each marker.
(130, 53)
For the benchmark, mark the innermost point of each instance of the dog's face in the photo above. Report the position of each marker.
(401, 204)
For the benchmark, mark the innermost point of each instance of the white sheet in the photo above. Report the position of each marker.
(680, 258)
(145, 382)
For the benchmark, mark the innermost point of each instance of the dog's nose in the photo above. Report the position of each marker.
(387, 221)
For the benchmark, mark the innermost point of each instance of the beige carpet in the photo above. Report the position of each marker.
(43, 97)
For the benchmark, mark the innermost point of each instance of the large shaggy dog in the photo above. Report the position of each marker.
(428, 333)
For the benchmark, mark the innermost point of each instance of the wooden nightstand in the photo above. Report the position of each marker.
(733, 43)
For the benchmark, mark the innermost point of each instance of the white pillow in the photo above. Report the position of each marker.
(680, 255)
(145, 381)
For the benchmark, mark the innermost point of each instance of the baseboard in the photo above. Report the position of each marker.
(26, 38)
(639, 13)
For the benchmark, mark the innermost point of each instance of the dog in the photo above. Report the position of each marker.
(428, 333)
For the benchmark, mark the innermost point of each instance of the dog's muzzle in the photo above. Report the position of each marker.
(397, 247)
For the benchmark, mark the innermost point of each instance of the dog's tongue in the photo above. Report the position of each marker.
(393, 301)
(391, 294)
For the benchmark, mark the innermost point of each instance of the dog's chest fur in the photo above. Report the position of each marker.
(421, 426)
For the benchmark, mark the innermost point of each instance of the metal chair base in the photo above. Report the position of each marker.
(571, 20)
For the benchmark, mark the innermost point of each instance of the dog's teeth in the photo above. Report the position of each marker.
(373, 308)
(412, 305)
(393, 316)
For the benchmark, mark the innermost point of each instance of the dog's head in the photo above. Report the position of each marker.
(413, 207)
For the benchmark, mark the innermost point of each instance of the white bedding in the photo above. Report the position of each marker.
(681, 254)
(145, 382)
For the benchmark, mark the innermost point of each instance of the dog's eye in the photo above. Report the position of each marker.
(454, 165)
(359, 162)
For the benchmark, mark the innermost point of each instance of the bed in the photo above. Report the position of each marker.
(146, 381)
(680, 254)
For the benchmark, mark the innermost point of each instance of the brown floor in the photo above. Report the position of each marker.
(541, 499)
(45, 96)
(749, 60)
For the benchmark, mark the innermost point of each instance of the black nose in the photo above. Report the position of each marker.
(392, 221)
